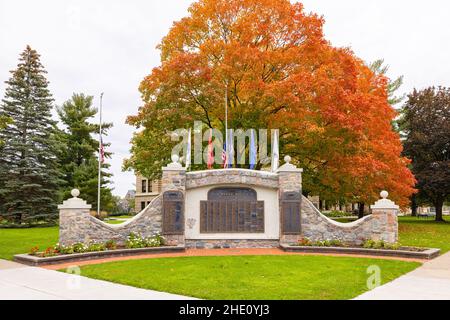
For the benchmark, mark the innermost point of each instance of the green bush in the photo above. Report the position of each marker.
(111, 245)
(305, 242)
(135, 241)
(338, 214)
(372, 244)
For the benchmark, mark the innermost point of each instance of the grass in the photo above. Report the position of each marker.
(114, 221)
(123, 217)
(251, 277)
(14, 241)
(417, 232)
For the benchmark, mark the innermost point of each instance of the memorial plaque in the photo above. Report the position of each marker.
(232, 210)
(232, 194)
(291, 213)
(173, 213)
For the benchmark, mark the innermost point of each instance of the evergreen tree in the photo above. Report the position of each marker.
(79, 158)
(3, 123)
(29, 173)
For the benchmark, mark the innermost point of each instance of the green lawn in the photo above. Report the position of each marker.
(251, 277)
(425, 233)
(14, 241)
(114, 221)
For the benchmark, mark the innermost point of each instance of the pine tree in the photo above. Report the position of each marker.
(79, 157)
(29, 175)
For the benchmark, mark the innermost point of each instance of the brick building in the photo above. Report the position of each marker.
(146, 191)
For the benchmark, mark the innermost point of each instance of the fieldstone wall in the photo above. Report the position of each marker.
(77, 225)
(249, 178)
(381, 225)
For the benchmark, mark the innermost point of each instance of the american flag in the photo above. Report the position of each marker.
(102, 151)
(224, 156)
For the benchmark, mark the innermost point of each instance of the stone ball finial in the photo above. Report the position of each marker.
(75, 193)
(287, 159)
(175, 158)
(384, 194)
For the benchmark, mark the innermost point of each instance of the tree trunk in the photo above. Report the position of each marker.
(360, 210)
(414, 206)
(438, 205)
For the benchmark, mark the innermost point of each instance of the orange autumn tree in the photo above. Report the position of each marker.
(279, 72)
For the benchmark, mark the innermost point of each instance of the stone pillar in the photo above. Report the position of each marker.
(174, 179)
(73, 215)
(173, 176)
(290, 184)
(385, 213)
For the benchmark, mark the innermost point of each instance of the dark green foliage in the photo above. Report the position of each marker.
(425, 126)
(79, 158)
(29, 173)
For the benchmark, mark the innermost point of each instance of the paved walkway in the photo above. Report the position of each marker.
(30, 283)
(429, 282)
(219, 252)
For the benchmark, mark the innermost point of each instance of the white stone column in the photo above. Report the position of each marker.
(73, 215)
(173, 176)
(385, 212)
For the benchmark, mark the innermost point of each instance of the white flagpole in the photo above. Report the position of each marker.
(188, 151)
(275, 151)
(227, 160)
(99, 157)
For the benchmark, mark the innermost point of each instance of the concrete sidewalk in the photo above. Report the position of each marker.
(30, 283)
(429, 282)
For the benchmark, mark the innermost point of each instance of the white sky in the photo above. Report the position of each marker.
(109, 46)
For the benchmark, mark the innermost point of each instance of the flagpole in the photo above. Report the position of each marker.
(99, 156)
(226, 126)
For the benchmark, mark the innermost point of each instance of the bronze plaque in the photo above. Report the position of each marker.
(173, 213)
(291, 213)
(232, 210)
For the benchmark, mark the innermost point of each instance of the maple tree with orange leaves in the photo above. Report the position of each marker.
(280, 72)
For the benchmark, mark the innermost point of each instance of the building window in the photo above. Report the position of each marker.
(150, 186)
(142, 205)
(144, 186)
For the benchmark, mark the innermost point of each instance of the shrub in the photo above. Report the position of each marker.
(338, 214)
(49, 252)
(135, 241)
(34, 250)
(95, 247)
(111, 245)
(79, 247)
(63, 249)
(304, 242)
(372, 244)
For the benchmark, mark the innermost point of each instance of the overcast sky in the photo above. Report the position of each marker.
(109, 46)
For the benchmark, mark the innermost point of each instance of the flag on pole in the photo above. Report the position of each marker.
(252, 150)
(210, 151)
(230, 149)
(275, 151)
(188, 151)
(224, 156)
(102, 151)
